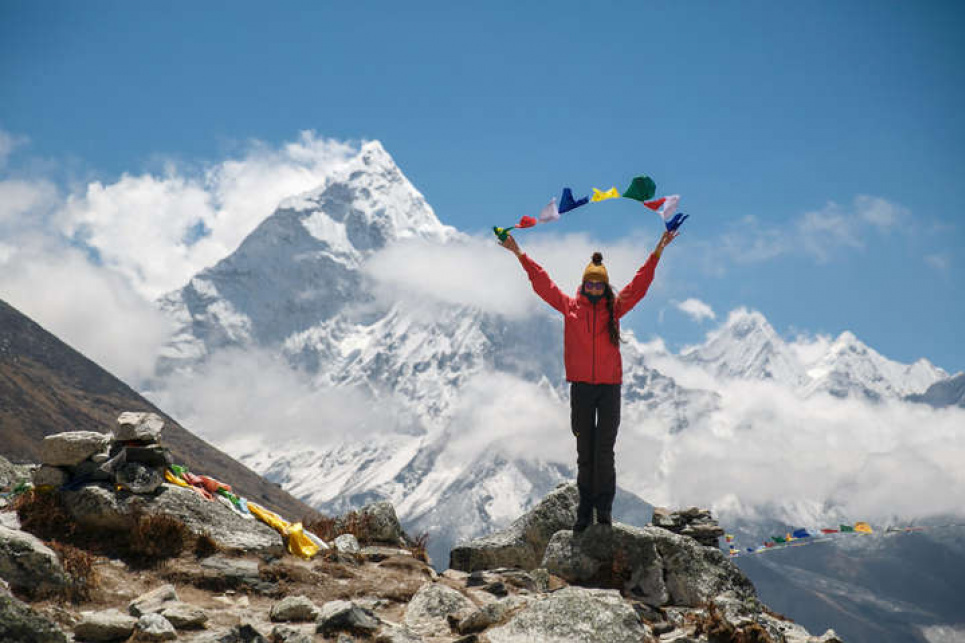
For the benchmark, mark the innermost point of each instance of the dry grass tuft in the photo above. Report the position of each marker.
(79, 566)
(42, 513)
(205, 545)
(328, 529)
(718, 630)
(419, 545)
(155, 538)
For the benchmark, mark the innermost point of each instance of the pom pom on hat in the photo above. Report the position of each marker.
(595, 270)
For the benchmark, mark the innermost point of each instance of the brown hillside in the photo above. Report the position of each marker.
(47, 387)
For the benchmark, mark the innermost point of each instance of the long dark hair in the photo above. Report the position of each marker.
(612, 326)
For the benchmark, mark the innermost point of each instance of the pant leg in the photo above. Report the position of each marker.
(583, 425)
(604, 468)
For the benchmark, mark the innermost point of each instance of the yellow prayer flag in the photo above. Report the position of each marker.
(863, 527)
(612, 193)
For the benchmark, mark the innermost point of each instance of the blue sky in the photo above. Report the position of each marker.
(761, 114)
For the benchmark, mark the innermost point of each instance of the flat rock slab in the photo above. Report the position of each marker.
(100, 507)
(573, 615)
(108, 625)
(72, 448)
(153, 601)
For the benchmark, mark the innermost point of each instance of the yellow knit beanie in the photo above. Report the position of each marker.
(595, 270)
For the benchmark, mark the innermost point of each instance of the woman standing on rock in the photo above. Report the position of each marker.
(594, 369)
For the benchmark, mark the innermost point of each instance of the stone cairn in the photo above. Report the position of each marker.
(694, 522)
(131, 457)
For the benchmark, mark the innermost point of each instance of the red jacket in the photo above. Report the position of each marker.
(588, 353)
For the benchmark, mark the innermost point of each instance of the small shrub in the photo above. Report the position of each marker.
(205, 545)
(158, 537)
(79, 567)
(322, 526)
(419, 544)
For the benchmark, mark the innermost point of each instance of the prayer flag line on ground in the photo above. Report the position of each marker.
(802, 537)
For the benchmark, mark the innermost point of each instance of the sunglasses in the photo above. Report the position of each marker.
(594, 285)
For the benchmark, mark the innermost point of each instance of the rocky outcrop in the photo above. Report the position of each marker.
(100, 507)
(697, 523)
(28, 565)
(652, 564)
(521, 544)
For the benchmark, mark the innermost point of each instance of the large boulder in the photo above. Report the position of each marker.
(142, 427)
(650, 563)
(377, 522)
(521, 544)
(72, 448)
(19, 622)
(100, 507)
(29, 565)
(574, 615)
(429, 611)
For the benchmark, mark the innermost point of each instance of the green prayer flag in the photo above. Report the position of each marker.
(642, 188)
(846, 528)
(778, 539)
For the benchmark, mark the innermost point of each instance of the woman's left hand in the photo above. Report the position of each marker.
(666, 239)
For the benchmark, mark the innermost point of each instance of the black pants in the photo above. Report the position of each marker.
(595, 418)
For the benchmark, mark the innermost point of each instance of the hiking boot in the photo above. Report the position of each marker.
(604, 518)
(580, 526)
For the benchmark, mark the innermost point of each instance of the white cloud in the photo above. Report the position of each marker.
(696, 309)
(808, 349)
(939, 261)
(241, 397)
(93, 310)
(818, 233)
(144, 226)
(8, 143)
(879, 212)
(25, 203)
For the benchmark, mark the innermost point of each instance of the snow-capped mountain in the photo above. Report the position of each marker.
(747, 347)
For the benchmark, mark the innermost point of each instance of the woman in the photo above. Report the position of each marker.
(591, 353)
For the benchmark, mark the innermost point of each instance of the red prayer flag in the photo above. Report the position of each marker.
(526, 222)
(656, 203)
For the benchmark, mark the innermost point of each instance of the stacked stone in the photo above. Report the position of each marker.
(694, 522)
(131, 457)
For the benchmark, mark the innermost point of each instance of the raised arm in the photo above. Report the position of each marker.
(540, 279)
(634, 291)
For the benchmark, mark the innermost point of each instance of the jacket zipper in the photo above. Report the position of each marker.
(593, 342)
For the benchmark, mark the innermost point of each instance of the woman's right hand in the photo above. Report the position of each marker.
(510, 244)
